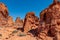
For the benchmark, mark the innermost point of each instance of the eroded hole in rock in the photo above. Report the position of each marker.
(1, 35)
(29, 16)
(6, 38)
(36, 24)
(44, 17)
(36, 20)
(51, 32)
(5, 11)
(58, 23)
(34, 32)
(32, 22)
(20, 29)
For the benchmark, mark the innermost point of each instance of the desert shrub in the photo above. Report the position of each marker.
(15, 31)
(21, 34)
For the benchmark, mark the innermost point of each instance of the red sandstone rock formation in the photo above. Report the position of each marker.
(19, 22)
(30, 22)
(3, 14)
(10, 21)
(50, 21)
(3, 10)
(49, 24)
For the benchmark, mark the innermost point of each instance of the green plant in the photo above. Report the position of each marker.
(15, 31)
(21, 34)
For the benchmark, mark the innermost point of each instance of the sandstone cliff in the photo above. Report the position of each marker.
(50, 21)
(30, 22)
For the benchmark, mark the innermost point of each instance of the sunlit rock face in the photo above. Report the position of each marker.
(50, 21)
(10, 21)
(47, 27)
(19, 22)
(3, 14)
(30, 22)
(3, 10)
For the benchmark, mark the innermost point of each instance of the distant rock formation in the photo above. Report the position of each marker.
(30, 22)
(10, 21)
(19, 22)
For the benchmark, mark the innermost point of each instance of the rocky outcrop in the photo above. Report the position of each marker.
(45, 28)
(50, 21)
(10, 21)
(3, 11)
(30, 22)
(3, 14)
(19, 23)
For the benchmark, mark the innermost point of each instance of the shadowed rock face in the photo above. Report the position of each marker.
(30, 22)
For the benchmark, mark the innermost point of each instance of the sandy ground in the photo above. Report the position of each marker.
(8, 33)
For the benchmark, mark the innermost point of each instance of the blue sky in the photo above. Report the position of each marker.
(19, 8)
